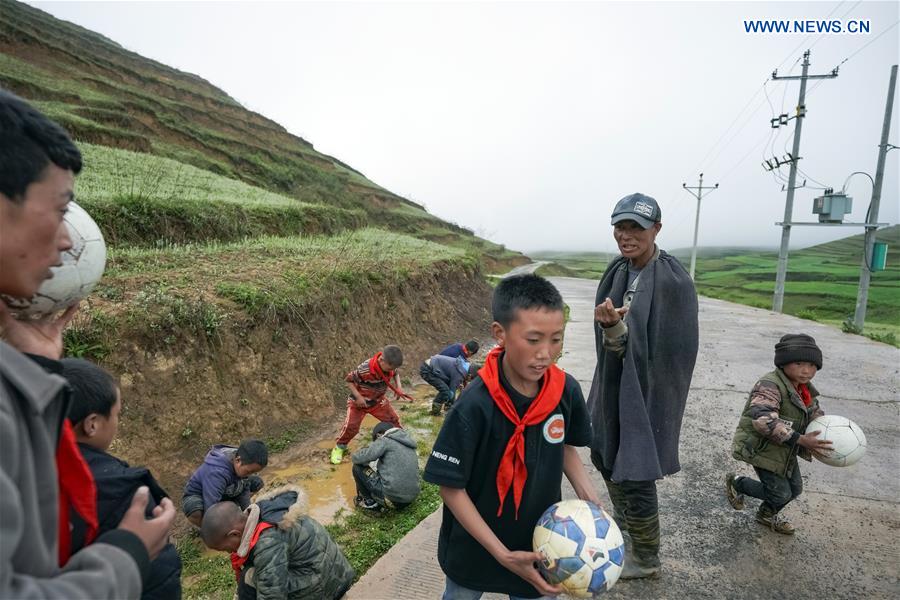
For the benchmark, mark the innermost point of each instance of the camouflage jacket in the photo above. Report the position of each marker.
(772, 421)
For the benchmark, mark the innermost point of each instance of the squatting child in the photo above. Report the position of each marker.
(772, 432)
(368, 384)
(446, 375)
(393, 481)
(520, 405)
(94, 415)
(277, 551)
(227, 473)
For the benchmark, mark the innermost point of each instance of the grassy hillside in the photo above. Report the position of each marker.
(108, 96)
(822, 281)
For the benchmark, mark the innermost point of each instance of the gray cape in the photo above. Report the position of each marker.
(637, 401)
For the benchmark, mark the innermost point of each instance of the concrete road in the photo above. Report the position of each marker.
(524, 269)
(848, 519)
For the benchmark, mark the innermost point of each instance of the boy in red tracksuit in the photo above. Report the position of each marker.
(368, 385)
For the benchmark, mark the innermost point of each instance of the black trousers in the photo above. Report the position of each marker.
(775, 490)
(445, 394)
(635, 510)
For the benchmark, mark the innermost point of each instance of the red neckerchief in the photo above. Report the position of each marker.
(76, 492)
(804, 394)
(465, 352)
(374, 367)
(238, 561)
(512, 471)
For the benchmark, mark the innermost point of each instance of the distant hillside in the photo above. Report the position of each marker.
(109, 96)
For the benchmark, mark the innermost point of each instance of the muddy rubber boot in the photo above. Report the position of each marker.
(641, 568)
(435, 408)
(774, 521)
(643, 560)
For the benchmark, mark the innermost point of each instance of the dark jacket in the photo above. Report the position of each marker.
(33, 404)
(116, 484)
(454, 350)
(772, 421)
(637, 398)
(451, 370)
(398, 464)
(213, 476)
(296, 559)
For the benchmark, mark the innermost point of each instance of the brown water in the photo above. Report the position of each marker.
(330, 489)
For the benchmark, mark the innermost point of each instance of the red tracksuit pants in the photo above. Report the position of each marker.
(383, 411)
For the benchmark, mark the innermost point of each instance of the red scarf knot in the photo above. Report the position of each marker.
(512, 471)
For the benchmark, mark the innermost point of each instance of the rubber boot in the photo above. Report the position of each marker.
(643, 561)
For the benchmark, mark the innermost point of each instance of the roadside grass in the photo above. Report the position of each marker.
(187, 292)
(822, 281)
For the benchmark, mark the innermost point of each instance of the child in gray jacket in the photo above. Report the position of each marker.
(392, 481)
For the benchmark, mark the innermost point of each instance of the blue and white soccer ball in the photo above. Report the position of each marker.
(582, 546)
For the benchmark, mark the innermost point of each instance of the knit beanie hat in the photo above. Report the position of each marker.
(797, 347)
(380, 429)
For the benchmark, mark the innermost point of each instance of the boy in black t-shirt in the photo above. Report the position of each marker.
(521, 404)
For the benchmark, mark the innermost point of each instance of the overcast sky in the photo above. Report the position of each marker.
(527, 121)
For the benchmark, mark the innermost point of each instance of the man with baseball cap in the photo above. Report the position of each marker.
(646, 308)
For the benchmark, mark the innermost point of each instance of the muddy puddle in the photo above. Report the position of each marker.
(330, 488)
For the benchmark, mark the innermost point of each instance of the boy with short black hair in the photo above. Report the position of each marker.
(227, 473)
(446, 375)
(467, 350)
(520, 405)
(94, 414)
(277, 551)
(772, 432)
(394, 480)
(368, 384)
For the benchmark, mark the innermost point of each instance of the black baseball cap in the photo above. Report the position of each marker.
(638, 208)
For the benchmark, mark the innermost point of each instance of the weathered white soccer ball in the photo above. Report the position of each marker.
(848, 440)
(582, 547)
(81, 269)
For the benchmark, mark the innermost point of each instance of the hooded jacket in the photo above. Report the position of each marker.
(116, 483)
(213, 476)
(398, 464)
(33, 404)
(295, 559)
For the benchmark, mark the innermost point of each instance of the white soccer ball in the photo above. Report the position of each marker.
(848, 440)
(81, 269)
(582, 547)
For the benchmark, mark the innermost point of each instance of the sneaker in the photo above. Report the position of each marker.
(337, 455)
(366, 503)
(735, 499)
(775, 522)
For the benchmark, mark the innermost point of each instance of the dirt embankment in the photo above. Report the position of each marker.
(280, 381)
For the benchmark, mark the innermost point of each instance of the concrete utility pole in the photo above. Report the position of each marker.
(865, 273)
(778, 300)
(698, 195)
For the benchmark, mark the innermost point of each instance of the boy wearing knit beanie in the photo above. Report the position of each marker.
(772, 432)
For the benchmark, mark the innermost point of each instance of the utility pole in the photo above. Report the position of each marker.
(778, 300)
(865, 273)
(698, 195)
